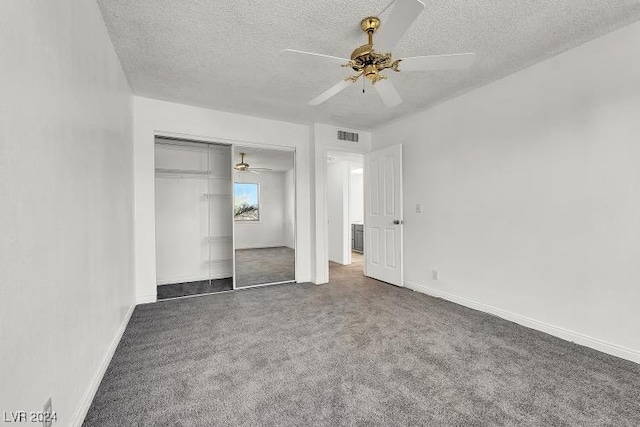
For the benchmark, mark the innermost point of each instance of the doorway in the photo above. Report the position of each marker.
(345, 208)
(382, 226)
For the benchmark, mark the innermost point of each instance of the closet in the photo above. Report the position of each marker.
(194, 218)
(225, 217)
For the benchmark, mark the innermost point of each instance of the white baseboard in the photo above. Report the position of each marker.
(146, 299)
(85, 403)
(565, 334)
(260, 247)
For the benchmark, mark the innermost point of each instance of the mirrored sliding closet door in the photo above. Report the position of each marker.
(194, 252)
(264, 216)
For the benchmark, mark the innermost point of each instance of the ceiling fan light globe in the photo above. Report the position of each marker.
(371, 72)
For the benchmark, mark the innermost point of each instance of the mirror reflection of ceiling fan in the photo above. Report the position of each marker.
(371, 59)
(244, 167)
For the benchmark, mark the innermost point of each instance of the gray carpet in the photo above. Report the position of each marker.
(353, 352)
(264, 265)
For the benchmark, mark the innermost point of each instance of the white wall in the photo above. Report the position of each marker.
(153, 116)
(269, 231)
(530, 190)
(356, 197)
(290, 208)
(66, 220)
(338, 211)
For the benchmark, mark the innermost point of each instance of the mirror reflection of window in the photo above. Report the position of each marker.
(246, 201)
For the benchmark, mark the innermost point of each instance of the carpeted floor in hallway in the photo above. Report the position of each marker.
(353, 352)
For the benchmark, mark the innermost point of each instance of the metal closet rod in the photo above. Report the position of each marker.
(183, 171)
(165, 140)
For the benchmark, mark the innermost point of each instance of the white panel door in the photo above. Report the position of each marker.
(383, 215)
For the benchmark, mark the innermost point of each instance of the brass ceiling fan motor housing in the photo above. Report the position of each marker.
(366, 61)
(242, 166)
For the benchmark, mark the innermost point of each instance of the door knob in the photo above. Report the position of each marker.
(397, 221)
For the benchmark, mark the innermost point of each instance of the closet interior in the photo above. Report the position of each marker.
(194, 218)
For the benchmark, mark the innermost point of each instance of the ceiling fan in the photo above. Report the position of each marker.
(244, 167)
(368, 61)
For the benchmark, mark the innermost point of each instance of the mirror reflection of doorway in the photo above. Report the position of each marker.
(264, 216)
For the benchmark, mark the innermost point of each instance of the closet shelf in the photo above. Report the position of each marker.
(178, 173)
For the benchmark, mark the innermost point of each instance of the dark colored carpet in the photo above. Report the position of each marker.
(264, 265)
(353, 352)
(200, 287)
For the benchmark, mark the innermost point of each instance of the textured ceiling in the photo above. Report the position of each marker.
(225, 54)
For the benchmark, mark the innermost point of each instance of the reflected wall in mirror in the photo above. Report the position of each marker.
(264, 216)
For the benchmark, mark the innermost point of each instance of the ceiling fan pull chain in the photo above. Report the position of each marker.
(364, 81)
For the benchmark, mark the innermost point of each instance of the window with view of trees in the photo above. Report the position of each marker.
(246, 205)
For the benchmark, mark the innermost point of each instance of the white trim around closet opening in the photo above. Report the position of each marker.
(233, 222)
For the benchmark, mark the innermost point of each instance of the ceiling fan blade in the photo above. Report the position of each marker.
(457, 61)
(292, 53)
(388, 93)
(253, 172)
(334, 90)
(261, 169)
(393, 28)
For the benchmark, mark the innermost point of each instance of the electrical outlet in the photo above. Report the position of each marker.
(418, 208)
(435, 275)
(47, 414)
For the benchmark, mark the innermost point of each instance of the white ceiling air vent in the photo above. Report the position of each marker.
(344, 135)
